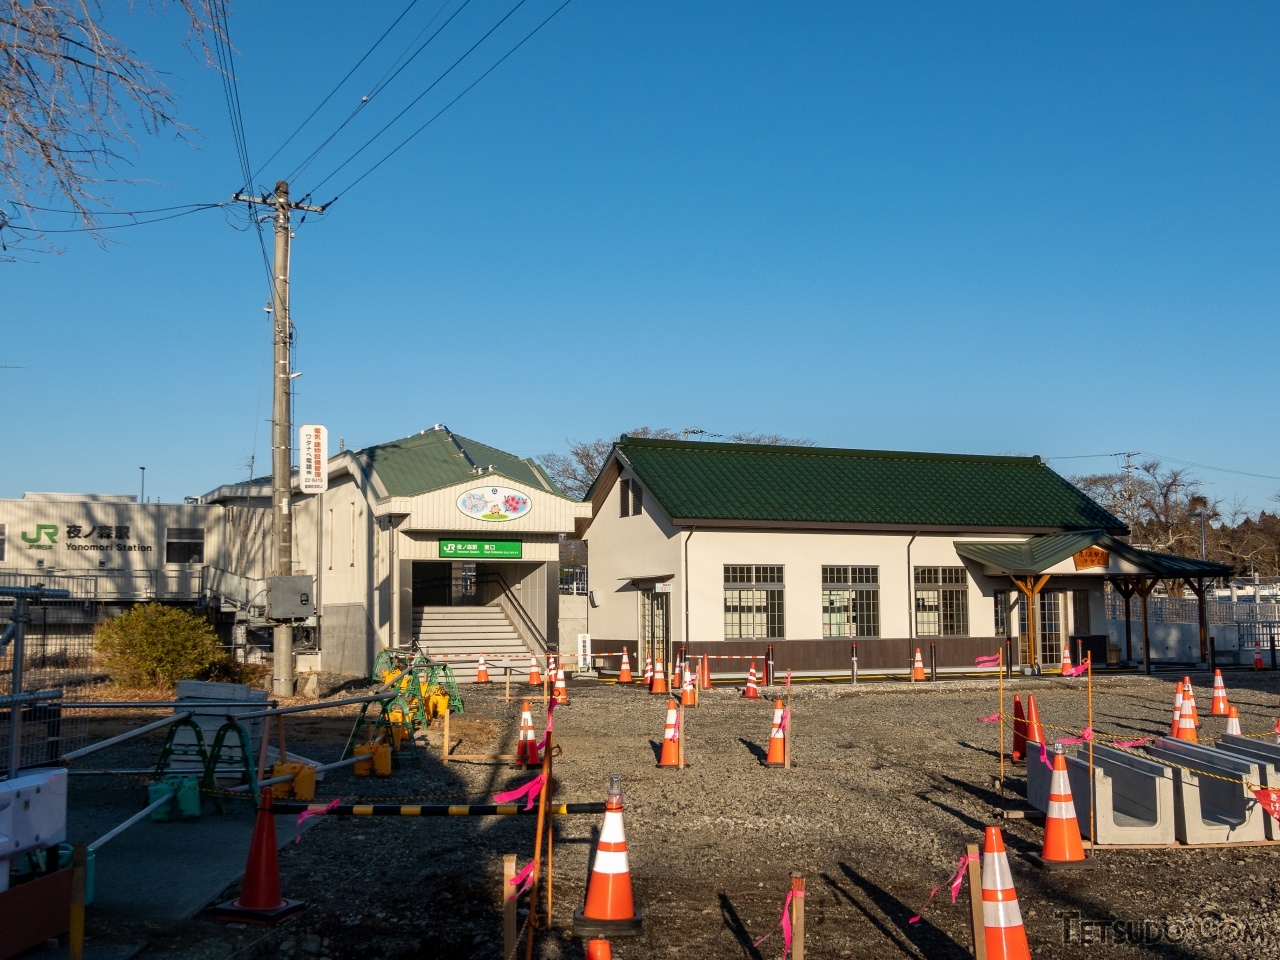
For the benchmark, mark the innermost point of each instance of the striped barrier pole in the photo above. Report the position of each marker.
(295, 807)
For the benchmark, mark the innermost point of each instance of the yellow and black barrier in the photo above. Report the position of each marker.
(294, 807)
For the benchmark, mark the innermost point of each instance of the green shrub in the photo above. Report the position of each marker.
(156, 646)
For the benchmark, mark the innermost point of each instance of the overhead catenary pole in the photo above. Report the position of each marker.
(281, 424)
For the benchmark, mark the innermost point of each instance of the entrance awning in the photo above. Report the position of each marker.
(1040, 554)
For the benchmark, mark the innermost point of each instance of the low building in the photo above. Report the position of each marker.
(434, 538)
(725, 549)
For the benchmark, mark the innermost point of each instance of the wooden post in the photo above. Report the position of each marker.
(786, 741)
(680, 736)
(444, 749)
(509, 899)
(75, 941)
(1000, 684)
(1093, 820)
(797, 916)
(284, 753)
(507, 695)
(976, 912)
(543, 796)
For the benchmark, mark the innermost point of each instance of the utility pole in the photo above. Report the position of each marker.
(281, 424)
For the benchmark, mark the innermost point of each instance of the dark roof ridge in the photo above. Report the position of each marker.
(843, 452)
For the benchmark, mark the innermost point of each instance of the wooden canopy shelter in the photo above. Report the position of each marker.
(1031, 564)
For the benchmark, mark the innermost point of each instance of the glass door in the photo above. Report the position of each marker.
(1051, 628)
(653, 625)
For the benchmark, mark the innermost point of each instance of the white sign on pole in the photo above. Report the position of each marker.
(313, 458)
(584, 647)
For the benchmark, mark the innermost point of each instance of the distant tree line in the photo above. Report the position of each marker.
(1161, 505)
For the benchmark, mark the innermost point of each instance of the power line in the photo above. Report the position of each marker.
(107, 213)
(329, 96)
(120, 226)
(385, 82)
(437, 80)
(1206, 466)
(437, 116)
(230, 84)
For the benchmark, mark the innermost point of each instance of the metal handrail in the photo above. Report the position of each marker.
(527, 624)
(524, 614)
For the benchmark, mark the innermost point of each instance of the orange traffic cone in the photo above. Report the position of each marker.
(610, 909)
(704, 674)
(1220, 707)
(1035, 732)
(917, 668)
(687, 688)
(260, 900)
(599, 949)
(648, 673)
(624, 673)
(482, 671)
(1257, 659)
(1177, 710)
(1002, 919)
(1190, 695)
(1066, 657)
(1233, 721)
(1019, 731)
(1186, 725)
(535, 675)
(659, 680)
(670, 738)
(562, 691)
(527, 747)
(751, 692)
(1062, 844)
(777, 754)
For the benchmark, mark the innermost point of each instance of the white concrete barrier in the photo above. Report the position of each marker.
(1133, 797)
(1209, 809)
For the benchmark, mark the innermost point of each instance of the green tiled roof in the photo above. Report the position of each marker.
(437, 458)
(1038, 554)
(761, 483)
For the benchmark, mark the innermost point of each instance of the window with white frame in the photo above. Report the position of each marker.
(753, 602)
(942, 602)
(184, 545)
(850, 601)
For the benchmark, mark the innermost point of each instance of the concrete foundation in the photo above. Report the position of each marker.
(1207, 809)
(1133, 797)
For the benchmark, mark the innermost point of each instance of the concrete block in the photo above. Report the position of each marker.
(1133, 796)
(1039, 774)
(1207, 809)
(209, 719)
(1266, 756)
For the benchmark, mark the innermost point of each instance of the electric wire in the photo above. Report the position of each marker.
(109, 213)
(230, 86)
(382, 84)
(338, 86)
(120, 226)
(440, 112)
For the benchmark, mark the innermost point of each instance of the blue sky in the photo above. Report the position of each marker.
(995, 228)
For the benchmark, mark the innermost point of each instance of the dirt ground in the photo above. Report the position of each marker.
(891, 781)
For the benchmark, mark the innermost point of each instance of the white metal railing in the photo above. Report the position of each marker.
(1187, 610)
(244, 592)
(179, 583)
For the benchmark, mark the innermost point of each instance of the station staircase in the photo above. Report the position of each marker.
(483, 629)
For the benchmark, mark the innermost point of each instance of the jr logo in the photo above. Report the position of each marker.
(43, 531)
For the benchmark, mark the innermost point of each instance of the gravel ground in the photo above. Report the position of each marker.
(890, 782)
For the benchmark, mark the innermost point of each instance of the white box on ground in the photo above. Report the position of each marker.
(33, 815)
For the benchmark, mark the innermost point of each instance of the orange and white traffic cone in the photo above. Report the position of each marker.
(482, 671)
(1257, 659)
(659, 679)
(535, 675)
(1190, 695)
(260, 900)
(624, 672)
(1220, 707)
(562, 690)
(917, 668)
(1019, 731)
(1035, 732)
(1233, 721)
(527, 747)
(1177, 711)
(751, 691)
(777, 755)
(1062, 844)
(687, 689)
(671, 738)
(704, 674)
(1002, 919)
(610, 909)
(1186, 724)
(1066, 657)
(648, 673)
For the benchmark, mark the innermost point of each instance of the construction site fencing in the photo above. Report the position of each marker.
(59, 650)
